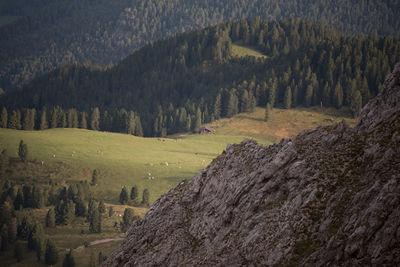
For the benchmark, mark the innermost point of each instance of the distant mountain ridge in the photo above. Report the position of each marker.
(330, 197)
(49, 33)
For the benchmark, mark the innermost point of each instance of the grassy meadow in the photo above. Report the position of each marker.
(242, 51)
(69, 155)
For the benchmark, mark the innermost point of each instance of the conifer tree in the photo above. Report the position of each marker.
(102, 207)
(130, 123)
(110, 211)
(19, 116)
(138, 126)
(25, 228)
(4, 161)
(3, 118)
(356, 103)
(13, 120)
(95, 119)
(19, 200)
(217, 107)
(54, 118)
(35, 235)
(288, 98)
(40, 248)
(197, 121)
(43, 120)
(23, 151)
(38, 197)
(272, 92)
(95, 222)
(51, 253)
(83, 124)
(4, 237)
(80, 208)
(145, 197)
(94, 177)
(127, 219)
(134, 194)
(308, 96)
(64, 123)
(123, 196)
(338, 96)
(244, 101)
(69, 260)
(267, 112)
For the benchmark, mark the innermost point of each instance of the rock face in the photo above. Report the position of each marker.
(329, 197)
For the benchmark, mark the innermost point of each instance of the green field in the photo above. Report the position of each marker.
(243, 51)
(122, 160)
(69, 155)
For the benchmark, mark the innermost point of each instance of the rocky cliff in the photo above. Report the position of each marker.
(329, 197)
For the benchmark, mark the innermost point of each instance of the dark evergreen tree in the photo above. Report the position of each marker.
(83, 124)
(19, 200)
(110, 211)
(4, 161)
(40, 248)
(25, 228)
(51, 253)
(95, 178)
(43, 121)
(95, 222)
(102, 207)
(197, 121)
(146, 197)
(356, 103)
(91, 209)
(134, 194)
(54, 118)
(95, 119)
(13, 122)
(127, 219)
(123, 196)
(38, 197)
(69, 260)
(80, 208)
(138, 126)
(23, 151)
(288, 98)
(28, 196)
(338, 95)
(267, 112)
(4, 237)
(3, 118)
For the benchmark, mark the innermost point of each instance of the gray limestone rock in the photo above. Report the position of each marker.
(331, 197)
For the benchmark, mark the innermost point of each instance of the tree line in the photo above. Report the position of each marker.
(49, 33)
(177, 84)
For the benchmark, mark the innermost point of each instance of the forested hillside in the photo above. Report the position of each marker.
(37, 36)
(177, 84)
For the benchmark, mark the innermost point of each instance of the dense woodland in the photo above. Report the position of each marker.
(177, 84)
(45, 33)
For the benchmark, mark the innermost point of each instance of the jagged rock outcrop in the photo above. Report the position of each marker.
(331, 197)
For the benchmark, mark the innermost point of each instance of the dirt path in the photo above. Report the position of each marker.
(101, 241)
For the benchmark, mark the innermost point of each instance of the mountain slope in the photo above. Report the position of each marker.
(47, 33)
(196, 76)
(329, 197)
